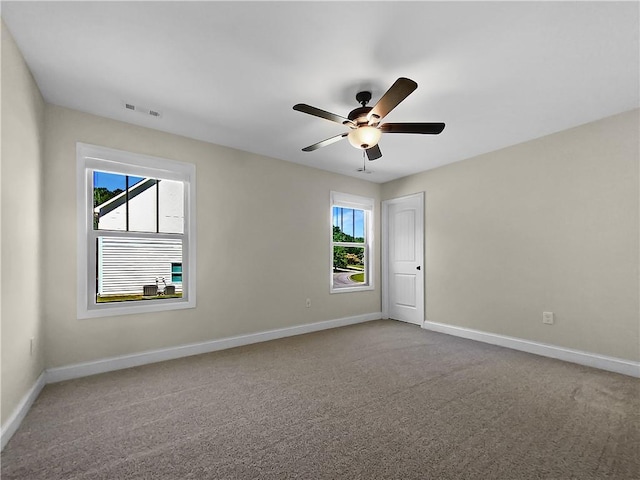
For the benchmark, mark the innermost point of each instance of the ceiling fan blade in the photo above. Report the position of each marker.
(373, 153)
(316, 112)
(324, 143)
(429, 128)
(400, 90)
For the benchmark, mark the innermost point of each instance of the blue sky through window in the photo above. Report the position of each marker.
(113, 181)
(350, 221)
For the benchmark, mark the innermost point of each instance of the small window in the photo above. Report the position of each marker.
(351, 218)
(176, 273)
(135, 233)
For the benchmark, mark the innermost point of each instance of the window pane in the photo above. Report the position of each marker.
(112, 211)
(358, 232)
(131, 269)
(348, 225)
(348, 267)
(143, 204)
(171, 206)
(109, 212)
(335, 214)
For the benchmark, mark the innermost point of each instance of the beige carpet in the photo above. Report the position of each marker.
(381, 400)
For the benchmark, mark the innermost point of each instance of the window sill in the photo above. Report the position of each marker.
(363, 288)
(148, 306)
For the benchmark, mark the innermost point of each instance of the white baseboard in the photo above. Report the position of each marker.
(127, 361)
(612, 364)
(14, 421)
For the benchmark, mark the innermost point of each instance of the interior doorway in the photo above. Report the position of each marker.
(403, 258)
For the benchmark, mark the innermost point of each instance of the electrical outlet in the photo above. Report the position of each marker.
(547, 318)
(308, 304)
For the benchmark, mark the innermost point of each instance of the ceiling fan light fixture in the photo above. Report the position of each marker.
(364, 137)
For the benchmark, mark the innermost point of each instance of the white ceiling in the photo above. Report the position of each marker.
(497, 73)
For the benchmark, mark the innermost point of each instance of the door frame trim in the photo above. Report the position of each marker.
(385, 252)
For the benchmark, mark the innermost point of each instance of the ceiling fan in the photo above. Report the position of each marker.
(364, 121)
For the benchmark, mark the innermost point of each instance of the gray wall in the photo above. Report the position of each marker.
(21, 189)
(263, 232)
(547, 225)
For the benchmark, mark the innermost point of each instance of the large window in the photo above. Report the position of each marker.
(136, 233)
(351, 218)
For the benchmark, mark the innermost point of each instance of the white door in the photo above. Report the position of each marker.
(403, 258)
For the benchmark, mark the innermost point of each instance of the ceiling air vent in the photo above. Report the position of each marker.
(142, 110)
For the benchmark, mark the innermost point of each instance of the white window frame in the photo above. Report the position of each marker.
(93, 157)
(347, 200)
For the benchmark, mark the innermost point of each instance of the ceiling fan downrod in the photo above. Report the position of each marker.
(363, 98)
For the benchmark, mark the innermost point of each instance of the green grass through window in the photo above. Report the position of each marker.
(358, 277)
(129, 298)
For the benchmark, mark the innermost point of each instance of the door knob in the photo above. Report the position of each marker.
(418, 267)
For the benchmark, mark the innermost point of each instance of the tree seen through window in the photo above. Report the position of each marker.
(349, 246)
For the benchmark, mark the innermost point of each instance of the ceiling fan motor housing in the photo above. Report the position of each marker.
(359, 115)
(364, 136)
